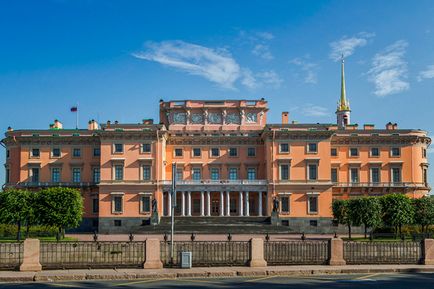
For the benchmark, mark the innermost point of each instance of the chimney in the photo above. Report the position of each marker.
(148, 121)
(92, 125)
(368, 126)
(285, 117)
(56, 125)
(108, 123)
(395, 126)
(10, 128)
(389, 126)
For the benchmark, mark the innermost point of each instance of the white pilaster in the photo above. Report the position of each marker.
(202, 204)
(240, 204)
(189, 204)
(260, 204)
(183, 204)
(169, 204)
(222, 213)
(247, 204)
(228, 204)
(208, 204)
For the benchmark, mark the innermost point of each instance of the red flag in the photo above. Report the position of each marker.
(74, 109)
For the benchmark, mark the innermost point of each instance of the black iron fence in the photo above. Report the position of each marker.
(76, 255)
(383, 252)
(208, 253)
(312, 252)
(11, 255)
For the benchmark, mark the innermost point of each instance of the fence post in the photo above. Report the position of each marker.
(428, 247)
(31, 256)
(336, 249)
(152, 254)
(257, 253)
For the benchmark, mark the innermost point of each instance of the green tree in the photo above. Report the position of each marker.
(60, 207)
(397, 211)
(341, 214)
(424, 212)
(365, 211)
(17, 207)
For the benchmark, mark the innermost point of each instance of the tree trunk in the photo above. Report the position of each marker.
(19, 231)
(349, 232)
(27, 229)
(366, 231)
(58, 234)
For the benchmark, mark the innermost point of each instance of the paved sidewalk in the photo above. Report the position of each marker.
(222, 272)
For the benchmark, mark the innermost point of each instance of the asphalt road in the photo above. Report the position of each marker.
(371, 281)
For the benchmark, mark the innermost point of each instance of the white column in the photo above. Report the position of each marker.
(169, 204)
(240, 204)
(189, 204)
(182, 203)
(247, 204)
(208, 204)
(228, 204)
(222, 200)
(260, 204)
(202, 204)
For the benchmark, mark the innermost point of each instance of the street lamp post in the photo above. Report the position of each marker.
(172, 210)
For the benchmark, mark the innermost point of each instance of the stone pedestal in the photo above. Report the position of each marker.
(31, 256)
(336, 247)
(275, 221)
(257, 253)
(429, 251)
(155, 218)
(152, 260)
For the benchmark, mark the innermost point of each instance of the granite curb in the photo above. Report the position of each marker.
(216, 272)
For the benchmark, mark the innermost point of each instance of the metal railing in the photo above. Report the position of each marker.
(76, 255)
(219, 182)
(383, 252)
(379, 184)
(314, 252)
(53, 184)
(208, 253)
(11, 255)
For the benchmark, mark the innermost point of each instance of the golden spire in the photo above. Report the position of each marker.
(343, 103)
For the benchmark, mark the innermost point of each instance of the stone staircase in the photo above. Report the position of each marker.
(216, 225)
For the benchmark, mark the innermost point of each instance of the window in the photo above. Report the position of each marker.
(146, 148)
(395, 152)
(95, 205)
(375, 152)
(334, 175)
(251, 152)
(55, 153)
(375, 175)
(8, 153)
(196, 152)
(312, 148)
(55, 175)
(251, 174)
(178, 152)
(35, 175)
(284, 172)
(76, 153)
(284, 148)
(354, 152)
(146, 172)
(215, 152)
(96, 152)
(76, 175)
(284, 204)
(333, 152)
(118, 204)
(119, 148)
(145, 204)
(179, 174)
(196, 174)
(313, 223)
(424, 153)
(396, 175)
(7, 177)
(233, 173)
(117, 223)
(354, 175)
(312, 204)
(425, 176)
(215, 174)
(312, 172)
(35, 153)
(233, 152)
(119, 172)
(96, 175)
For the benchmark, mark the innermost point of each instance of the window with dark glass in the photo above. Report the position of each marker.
(76, 152)
(284, 148)
(354, 175)
(313, 174)
(284, 172)
(425, 176)
(424, 152)
(396, 152)
(96, 175)
(197, 174)
(146, 148)
(396, 175)
(233, 173)
(55, 175)
(35, 175)
(76, 175)
(119, 148)
(251, 174)
(334, 175)
(95, 205)
(215, 152)
(375, 175)
(119, 172)
(55, 152)
(215, 174)
(36, 153)
(196, 152)
(375, 152)
(251, 152)
(178, 152)
(179, 174)
(7, 177)
(333, 152)
(313, 204)
(312, 147)
(284, 202)
(146, 173)
(146, 204)
(233, 152)
(117, 203)
(118, 223)
(8, 154)
(96, 152)
(354, 152)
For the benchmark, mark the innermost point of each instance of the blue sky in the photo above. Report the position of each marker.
(118, 58)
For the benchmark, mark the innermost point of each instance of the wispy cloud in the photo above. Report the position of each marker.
(264, 78)
(427, 73)
(308, 68)
(260, 42)
(389, 70)
(347, 45)
(215, 65)
(314, 110)
(265, 35)
(263, 51)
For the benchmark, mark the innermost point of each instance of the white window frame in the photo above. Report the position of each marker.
(114, 195)
(350, 154)
(31, 152)
(391, 175)
(142, 175)
(309, 196)
(350, 176)
(308, 171)
(52, 153)
(252, 169)
(371, 179)
(308, 148)
(280, 148)
(236, 173)
(391, 152)
(60, 174)
(114, 148)
(370, 152)
(143, 146)
(280, 171)
(192, 152)
(337, 174)
(145, 195)
(285, 195)
(114, 171)
(81, 174)
(210, 152)
(174, 152)
(73, 150)
(229, 152)
(213, 170)
(254, 152)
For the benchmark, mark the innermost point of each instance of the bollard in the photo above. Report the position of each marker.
(152, 248)
(336, 247)
(257, 253)
(31, 256)
(428, 246)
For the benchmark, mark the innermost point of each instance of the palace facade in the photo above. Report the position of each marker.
(229, 163)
